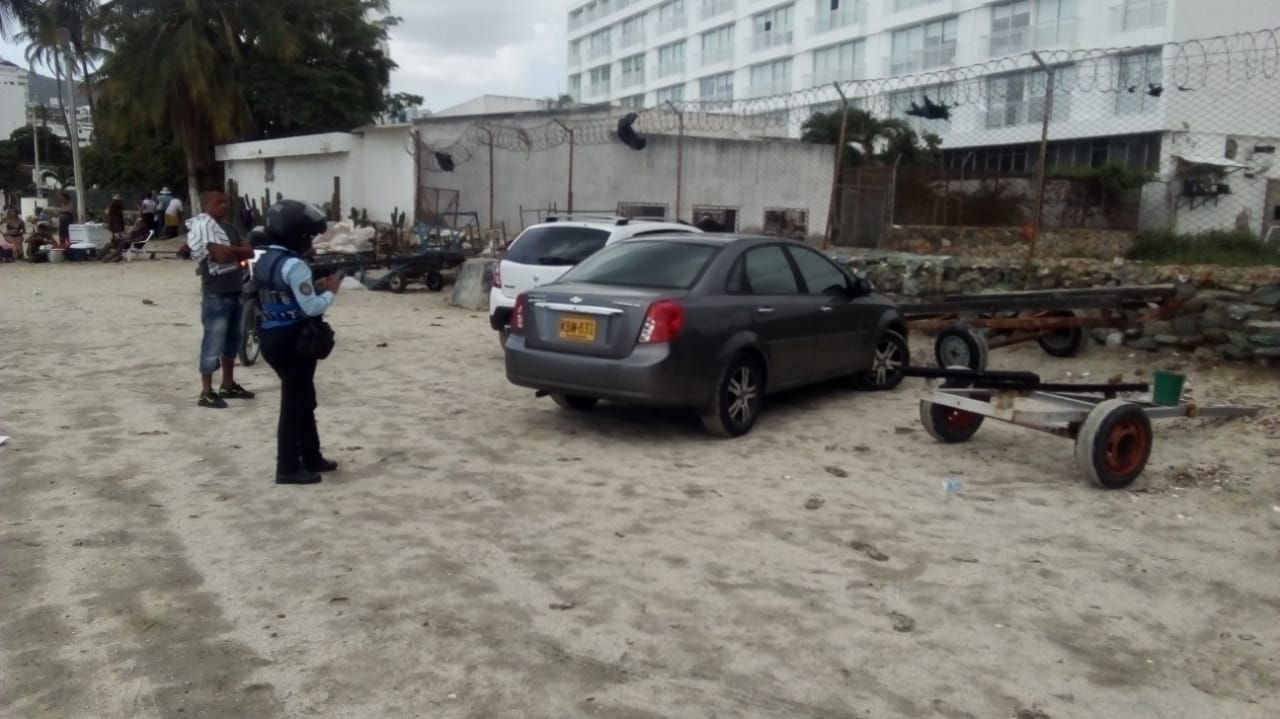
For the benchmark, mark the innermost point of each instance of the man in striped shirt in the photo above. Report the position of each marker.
(221, 281)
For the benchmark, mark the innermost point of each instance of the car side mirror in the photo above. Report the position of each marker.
(861, 287)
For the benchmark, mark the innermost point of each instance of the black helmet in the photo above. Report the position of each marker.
(292, 224)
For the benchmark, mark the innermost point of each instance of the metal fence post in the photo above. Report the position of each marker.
(679, 155)
(835, 176)
(568, 130)
(1044, 156)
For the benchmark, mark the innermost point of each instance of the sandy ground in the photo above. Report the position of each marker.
(483, 554)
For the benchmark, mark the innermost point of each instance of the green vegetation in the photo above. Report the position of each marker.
(175, 78)
(870, 139)
(1228, 248)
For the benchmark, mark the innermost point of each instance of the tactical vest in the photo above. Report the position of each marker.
(279, 306)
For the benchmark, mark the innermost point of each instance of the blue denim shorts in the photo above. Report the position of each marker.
(220, 317)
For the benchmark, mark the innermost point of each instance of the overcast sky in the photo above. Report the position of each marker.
(451, 51)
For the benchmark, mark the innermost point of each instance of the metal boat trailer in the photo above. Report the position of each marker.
(1056, 319)
(1113, 436)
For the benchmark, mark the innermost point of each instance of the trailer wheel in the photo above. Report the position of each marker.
(434, 281)
(1064, 341)
(1114, 444)
(396, 282)
(959, 346)
(948, 424)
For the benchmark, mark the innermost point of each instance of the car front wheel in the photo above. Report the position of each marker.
(889, 364)
(739, 395)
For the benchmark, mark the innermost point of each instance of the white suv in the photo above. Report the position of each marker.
(545, 251)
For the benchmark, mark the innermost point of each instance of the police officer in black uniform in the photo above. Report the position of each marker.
(289, 297)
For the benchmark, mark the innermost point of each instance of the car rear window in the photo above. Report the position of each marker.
(645, 263)
(556, 245)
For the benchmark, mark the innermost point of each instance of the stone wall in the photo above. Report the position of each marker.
(1009, 242)
(1234, 311)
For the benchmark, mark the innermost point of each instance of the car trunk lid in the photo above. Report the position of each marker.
(586, 319)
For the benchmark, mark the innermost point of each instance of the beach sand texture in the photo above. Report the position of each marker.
(482, 553)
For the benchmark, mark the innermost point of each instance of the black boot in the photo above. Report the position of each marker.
(320, 464)
(301, 476)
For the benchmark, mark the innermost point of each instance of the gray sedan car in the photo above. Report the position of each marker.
(710, 322)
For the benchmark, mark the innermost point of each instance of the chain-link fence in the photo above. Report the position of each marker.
(1178, 138)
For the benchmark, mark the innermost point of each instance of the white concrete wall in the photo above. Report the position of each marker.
(748, 175)
(297, 177)
(374, 166)
(382, 176)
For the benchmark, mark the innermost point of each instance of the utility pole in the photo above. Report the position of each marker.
(835, 177)
(568, 130)
(35, 134)
(1044, 155)
(64, 38)
(679, 155)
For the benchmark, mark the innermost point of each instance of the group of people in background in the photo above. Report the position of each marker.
(158, 213)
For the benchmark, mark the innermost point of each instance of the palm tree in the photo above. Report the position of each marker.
(172, 67)
(15, 13)
(869, 138)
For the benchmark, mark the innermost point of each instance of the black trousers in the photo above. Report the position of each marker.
(297, 439)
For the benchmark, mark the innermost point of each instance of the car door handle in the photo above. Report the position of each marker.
(764, 310)
(825, 308)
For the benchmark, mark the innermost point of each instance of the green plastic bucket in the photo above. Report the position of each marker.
(1167, 391)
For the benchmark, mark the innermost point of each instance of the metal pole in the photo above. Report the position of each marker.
(679, 155)
(64, 36)
(835, 177)
(35, 134)
(491, 223)
(893, 190)
(1044, 156)
(568, 130)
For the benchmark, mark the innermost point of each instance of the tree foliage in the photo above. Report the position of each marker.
(177, 77)
(870, 139)
(17, 157)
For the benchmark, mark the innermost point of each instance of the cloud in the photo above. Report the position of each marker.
(450, 51)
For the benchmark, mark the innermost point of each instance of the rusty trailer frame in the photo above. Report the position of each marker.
(1056, 319)
(1113, 436)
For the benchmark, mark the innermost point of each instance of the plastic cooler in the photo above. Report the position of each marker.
(93, 233)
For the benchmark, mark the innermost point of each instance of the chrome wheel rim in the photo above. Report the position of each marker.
(887, 362)
(742, 392)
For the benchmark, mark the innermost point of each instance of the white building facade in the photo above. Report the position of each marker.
(1123, 109)
(13, 98)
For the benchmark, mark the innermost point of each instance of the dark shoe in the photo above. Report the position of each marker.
(235, 391)
(211, 399)
(320, 465)
(301, 476)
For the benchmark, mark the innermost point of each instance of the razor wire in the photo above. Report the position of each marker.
(1185, 66)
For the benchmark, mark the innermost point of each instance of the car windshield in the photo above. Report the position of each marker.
(556, 245)
(660, 264)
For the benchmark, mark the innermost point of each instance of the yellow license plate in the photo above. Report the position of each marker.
(578, 329)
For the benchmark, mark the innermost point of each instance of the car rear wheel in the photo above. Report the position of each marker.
(888, 364)
(574, 402)
(739, 395)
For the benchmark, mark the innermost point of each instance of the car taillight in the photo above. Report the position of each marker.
(517, 314)
(662, 322)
